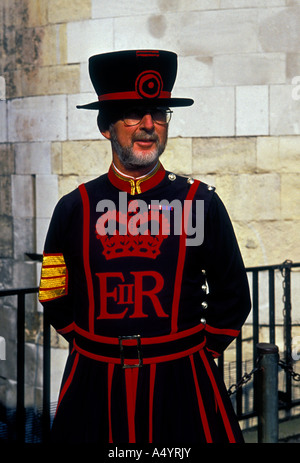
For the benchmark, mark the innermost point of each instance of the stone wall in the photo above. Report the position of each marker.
(238, 59)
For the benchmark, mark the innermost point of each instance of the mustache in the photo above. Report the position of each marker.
(143, 137)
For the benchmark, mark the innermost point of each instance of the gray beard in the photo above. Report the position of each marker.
(127, 157)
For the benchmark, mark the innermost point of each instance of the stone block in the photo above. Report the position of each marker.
(14, 84)
(87, 38)
(278, 154)
(56, 163)
(139, 7)
(59, 11)
(37, 13)
(207, 117)
(252, 110)
(68, 183)
(33, 158)
(64, 79)
(7, 160)
(46, 193)
(41, 228)
(24, 275)
(6, 237)
(251, 3)
(5, 198)
(23, 196)
(85, 81)
(292, 65)
(82, 124)
(176, 31)
(58, 357)
(2, 88)
(284, 111)
(250, 69)
(50, 80)
(40, 118)
(6, 271)
(290, 196)
(3, 121)
(86, 158)
(194, 71)
(224, 155)
(177, 156)
(262, 204)
(267, 243)
(279, 29)
(24, 237)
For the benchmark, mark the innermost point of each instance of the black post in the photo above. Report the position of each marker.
(267, 393)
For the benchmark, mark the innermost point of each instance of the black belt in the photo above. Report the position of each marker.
(134, 351)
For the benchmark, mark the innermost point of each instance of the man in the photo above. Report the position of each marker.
(128, 279)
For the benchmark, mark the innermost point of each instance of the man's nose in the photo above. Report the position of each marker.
(147, 122)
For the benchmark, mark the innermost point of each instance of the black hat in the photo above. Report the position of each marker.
(141, 77)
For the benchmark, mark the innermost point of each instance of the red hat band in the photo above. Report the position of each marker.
(148, 84)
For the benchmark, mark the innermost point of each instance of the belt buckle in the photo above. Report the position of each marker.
(139, 351)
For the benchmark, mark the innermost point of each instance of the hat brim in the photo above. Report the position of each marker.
(168, 102)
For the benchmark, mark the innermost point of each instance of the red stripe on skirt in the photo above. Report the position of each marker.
(218, 397)
(109, 383)
(151, 396)
(68, 381)
(201, 405)
(131, 377)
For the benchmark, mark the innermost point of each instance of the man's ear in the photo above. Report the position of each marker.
(106, 134)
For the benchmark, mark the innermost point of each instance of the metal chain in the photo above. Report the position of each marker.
(247, 376)
(289, 369)
(244, 379)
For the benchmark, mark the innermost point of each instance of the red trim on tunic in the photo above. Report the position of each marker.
(146, 361)
(144, 341)
(218, 397)
(131, 378)
(224, 331)
(136, 186)
(181, 258)
(68, 381)
(200, 404)
(67, 329)
(110, 372)
(86, 253)
(151, 397)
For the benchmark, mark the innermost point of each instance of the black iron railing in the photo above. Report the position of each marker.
(243, 409)
(277, 323)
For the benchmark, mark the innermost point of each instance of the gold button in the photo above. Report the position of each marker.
(203, 321)
(204, 305)
(172, 177)
(190, 180)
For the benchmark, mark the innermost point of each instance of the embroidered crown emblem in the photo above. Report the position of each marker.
(138, 241)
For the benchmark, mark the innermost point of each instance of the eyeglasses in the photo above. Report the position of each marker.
(159, 115)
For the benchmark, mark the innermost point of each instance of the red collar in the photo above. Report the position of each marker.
(135, 186)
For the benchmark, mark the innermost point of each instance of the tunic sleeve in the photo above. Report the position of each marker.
(54, 290)
(228, 298)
